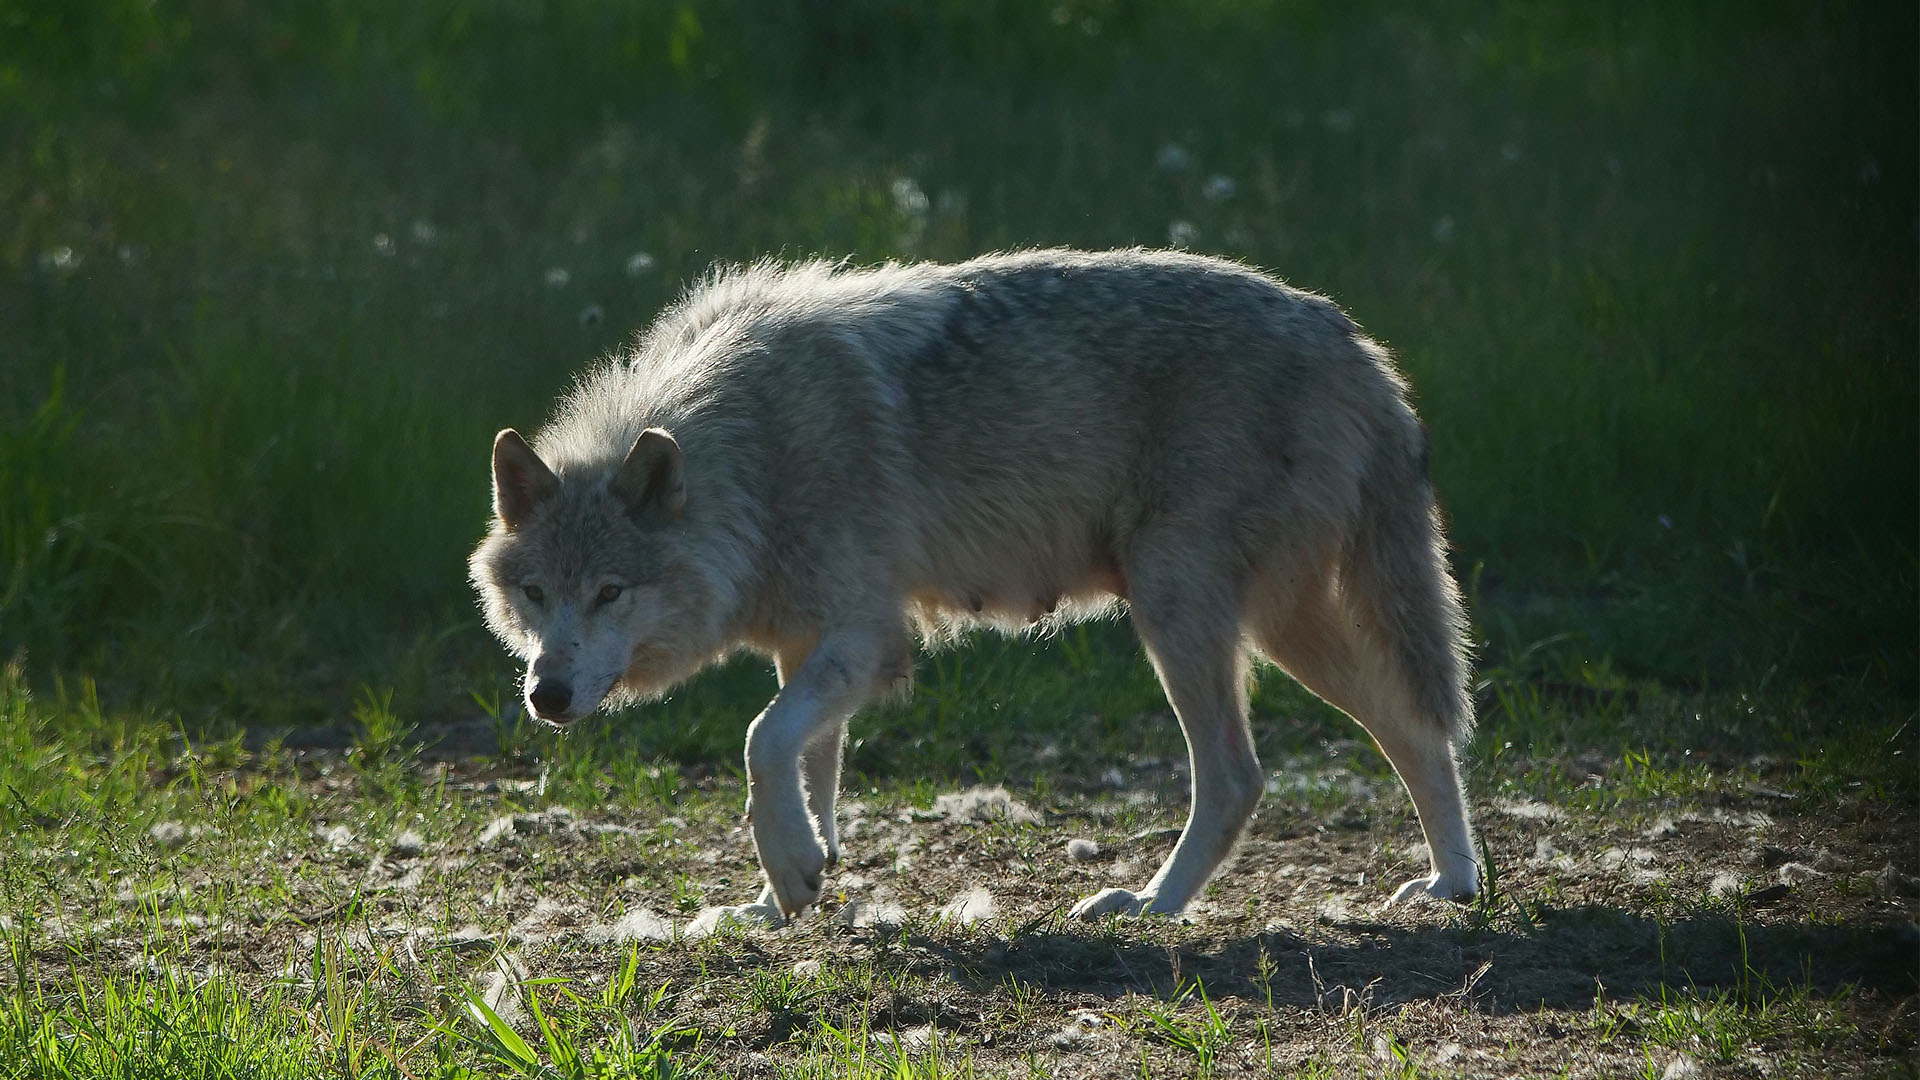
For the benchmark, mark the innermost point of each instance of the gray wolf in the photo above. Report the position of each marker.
(823, 464)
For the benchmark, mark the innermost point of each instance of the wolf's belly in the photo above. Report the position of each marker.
(1022, 587)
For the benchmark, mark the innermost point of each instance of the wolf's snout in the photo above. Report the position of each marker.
(550, 698)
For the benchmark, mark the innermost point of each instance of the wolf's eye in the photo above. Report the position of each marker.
(534, 594)
(609, 593)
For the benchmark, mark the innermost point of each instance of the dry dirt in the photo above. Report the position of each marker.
(945, 923)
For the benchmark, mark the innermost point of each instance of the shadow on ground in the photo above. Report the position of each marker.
(1571, 959)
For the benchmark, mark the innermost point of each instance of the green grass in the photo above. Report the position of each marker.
(164, 1024)
(277, 277)
(271, 279)
(340, 1016)
(1203, 1036)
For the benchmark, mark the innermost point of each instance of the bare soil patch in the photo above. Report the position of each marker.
(1789, 925)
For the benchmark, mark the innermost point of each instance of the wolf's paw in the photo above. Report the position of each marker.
(762, 912)
(796, 870)
(1434, 887)
(1114, 902)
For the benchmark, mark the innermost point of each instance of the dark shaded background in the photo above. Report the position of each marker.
(270, 279)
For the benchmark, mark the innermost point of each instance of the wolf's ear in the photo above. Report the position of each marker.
(520, 479)
(652, 476)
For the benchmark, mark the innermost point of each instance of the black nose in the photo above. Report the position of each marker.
(550, 698)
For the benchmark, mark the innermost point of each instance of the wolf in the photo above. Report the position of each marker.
(825, 464)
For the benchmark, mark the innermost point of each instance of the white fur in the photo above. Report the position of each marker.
(841, 461)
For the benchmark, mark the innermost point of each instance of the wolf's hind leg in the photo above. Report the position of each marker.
(1192, 636)
(1319, 646)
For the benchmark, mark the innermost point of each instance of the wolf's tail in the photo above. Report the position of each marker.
(1395, 578)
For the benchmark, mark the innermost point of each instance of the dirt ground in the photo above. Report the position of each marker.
(1742, 934)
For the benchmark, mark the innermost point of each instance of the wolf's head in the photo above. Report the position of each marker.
(588, 575)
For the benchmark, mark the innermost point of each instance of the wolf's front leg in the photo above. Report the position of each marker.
(820, 766)
(816, 701)
(819, 762)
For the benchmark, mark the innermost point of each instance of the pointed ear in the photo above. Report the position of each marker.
(520, 479)
(651, 476)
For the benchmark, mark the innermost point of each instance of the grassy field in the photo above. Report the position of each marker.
(271, 278)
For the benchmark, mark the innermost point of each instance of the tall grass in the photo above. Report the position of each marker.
(274, 278)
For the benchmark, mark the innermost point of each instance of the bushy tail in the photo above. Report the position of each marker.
(1396, 578)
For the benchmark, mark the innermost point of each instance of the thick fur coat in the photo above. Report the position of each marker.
(827, 464)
